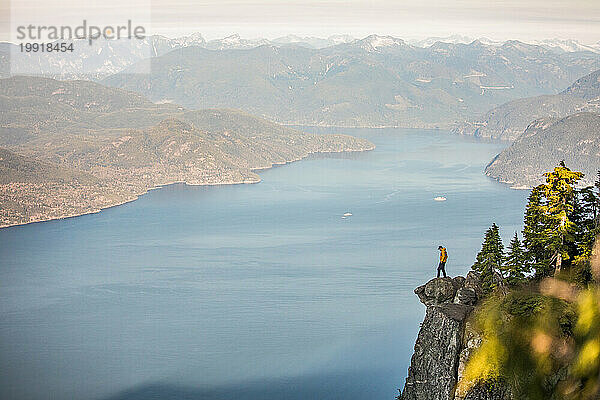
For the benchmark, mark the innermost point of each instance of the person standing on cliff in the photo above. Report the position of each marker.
(443, 259)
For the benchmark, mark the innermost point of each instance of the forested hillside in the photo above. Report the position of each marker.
(73, 147)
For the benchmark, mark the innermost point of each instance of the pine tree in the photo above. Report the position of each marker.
(585, 216)
(490, 259)
(536, 255)
(514, 266)
(559, 192)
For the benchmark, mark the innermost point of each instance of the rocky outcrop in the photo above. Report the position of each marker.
(445, 342)
(439, 291)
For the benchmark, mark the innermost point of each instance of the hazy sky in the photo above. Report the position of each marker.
(508, 19)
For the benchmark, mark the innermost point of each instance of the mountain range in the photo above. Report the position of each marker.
(375, 81)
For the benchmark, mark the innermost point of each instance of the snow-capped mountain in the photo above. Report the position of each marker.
(378, 43)
(312, 41)
(340, 39)
(195, 39)
(454, 39)
(567, 45)
(107, 57)
(235, 42)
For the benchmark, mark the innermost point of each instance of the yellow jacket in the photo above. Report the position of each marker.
(443, 255)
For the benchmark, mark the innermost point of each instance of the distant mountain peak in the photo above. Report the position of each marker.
(376, 42)
(522, 46)
(454, 39)
(235, 38)
(235, 41)
(313, 42)
(567, 45)
(195, 39)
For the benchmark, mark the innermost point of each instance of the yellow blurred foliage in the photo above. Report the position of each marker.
(532, 349)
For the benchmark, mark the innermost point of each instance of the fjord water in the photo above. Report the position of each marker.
(249, 291)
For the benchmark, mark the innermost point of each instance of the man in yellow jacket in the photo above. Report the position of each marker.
(443, 259)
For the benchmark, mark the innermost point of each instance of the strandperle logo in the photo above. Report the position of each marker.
(83, 31)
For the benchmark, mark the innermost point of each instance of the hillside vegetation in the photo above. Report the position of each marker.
(544, 130)
(74, 147)
(575, 139)
(508, 121)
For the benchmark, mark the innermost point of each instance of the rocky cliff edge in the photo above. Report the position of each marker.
(445, 342)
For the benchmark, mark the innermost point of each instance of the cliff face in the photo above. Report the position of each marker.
(445, 342)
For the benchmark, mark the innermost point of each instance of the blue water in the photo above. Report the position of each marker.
(248, 291)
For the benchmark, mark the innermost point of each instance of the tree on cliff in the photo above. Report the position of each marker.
(490, 259)
(586, 216)
(515, 267)
(559, 191)
(590, 199)
(552, 221)
(587, 212)
(537, 255)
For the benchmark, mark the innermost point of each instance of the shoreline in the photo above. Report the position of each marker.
(434, 127)
(526, 186)
(136, 196)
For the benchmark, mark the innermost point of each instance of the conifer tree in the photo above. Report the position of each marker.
(490, 259)
(584, 216)
(559, 192)
(514, 266)
(586, 219)
(535, 224)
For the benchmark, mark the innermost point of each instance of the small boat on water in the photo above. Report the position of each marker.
(346, 215)
(440, 198)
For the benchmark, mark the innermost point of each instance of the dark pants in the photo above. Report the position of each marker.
(442, 267)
